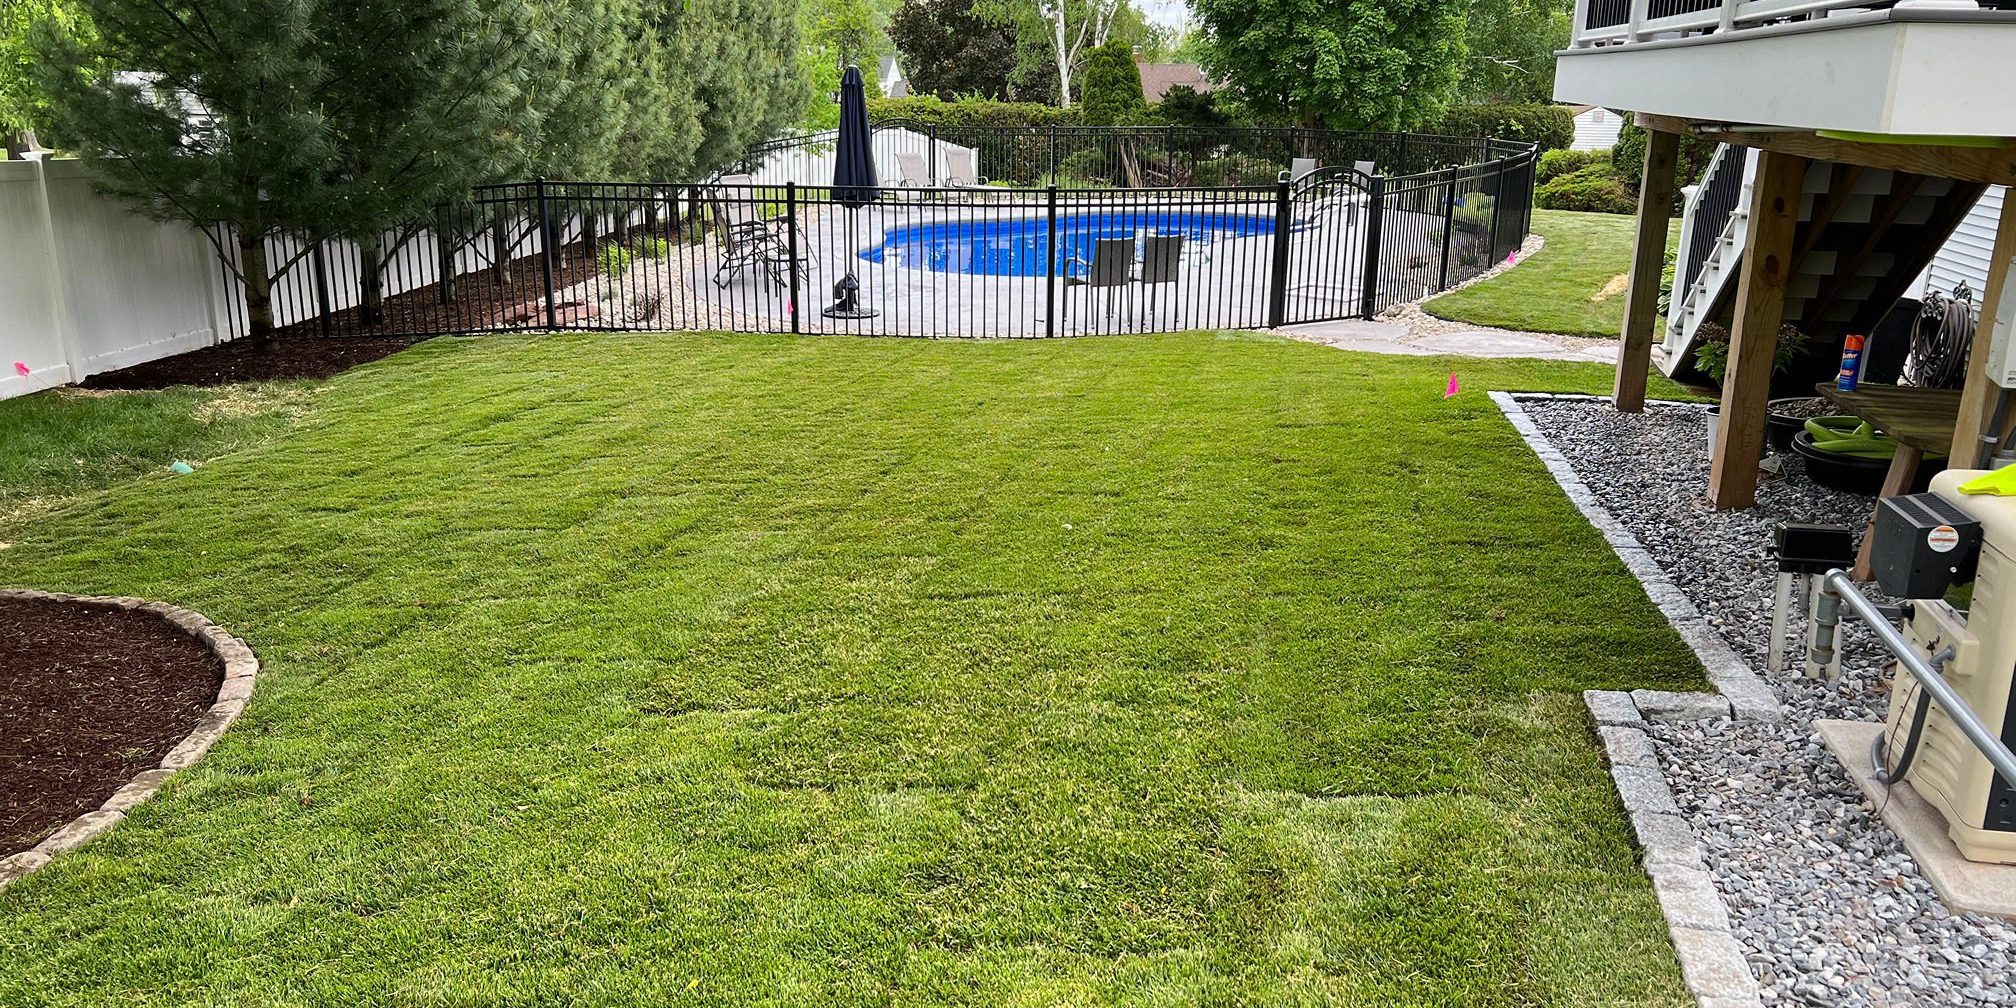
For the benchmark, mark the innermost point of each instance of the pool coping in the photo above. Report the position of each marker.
(234, 690)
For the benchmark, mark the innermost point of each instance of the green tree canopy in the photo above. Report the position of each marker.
(1349, 64)
(1511, 46)
(951, 52)
(22, 103)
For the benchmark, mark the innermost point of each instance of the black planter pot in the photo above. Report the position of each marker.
(1781, 428)
(1852, 473)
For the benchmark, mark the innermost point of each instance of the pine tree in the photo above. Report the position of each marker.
(1112, 93)
(312, 118)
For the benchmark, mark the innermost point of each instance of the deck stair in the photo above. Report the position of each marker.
(1864, 234)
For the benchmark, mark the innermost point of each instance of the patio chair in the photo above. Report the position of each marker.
(1161, 255)
(746, 238)
(910, 171)
(1112, 267)
(1299, 169)
(959, 173)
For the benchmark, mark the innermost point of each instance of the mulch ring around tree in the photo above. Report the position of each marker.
(90, 697)
(245, 360)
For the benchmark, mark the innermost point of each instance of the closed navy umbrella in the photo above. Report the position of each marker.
(854, 184)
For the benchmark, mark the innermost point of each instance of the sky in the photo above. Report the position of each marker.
(1172, 13)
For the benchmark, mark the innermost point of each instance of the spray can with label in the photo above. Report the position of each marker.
(1851, 362)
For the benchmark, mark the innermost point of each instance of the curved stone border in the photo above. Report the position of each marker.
(1711, 959)
(241, 670)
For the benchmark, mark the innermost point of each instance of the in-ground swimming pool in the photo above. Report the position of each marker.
(1017, 246)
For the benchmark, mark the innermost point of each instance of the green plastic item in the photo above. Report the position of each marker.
(2000, 483)
(1847, 435)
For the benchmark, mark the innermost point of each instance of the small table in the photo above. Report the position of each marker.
(1921, 420)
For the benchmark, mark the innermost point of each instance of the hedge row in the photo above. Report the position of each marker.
(1550, 126)
(930, 110)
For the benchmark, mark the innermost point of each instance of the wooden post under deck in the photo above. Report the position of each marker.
(1977, 400)
(1753, 339)
(1648, 267)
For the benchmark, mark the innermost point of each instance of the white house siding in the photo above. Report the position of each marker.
(1965, 254)
(1596, 129)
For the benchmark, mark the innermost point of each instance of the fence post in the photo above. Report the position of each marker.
(546, 250)
(444, 257)
(1050, 257)
(1400, 160)
(791, 233)
(1448, 230)
(931, 151)
(1375, 219)
(328, 318)
(1284, 220)
(1497, 208)
(1053, 164)
(1169, 150)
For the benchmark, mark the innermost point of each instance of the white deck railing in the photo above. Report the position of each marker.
(1611, 22)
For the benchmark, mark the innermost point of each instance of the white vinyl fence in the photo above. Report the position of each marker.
(811, 162)
(86, 285)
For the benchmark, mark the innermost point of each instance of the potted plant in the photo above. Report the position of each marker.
(1786, 416)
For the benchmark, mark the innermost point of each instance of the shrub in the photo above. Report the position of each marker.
(1712, 354)
(932, 111)
(1550, 126)
(1628, 157)
(613, 260)
(652, 247)
(1236, 169)
(1555, 163)
(1594, 189)
(1473, 212)
(1183, 105)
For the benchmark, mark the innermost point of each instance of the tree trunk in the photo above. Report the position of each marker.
(500, 243)
(258, 287)
(1063, 53)
(371, 276)
(19, 142)
(589, 222)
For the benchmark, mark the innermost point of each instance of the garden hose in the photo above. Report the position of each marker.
(1847, 435)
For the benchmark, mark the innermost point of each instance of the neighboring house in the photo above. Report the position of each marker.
(890, 77)
(1158, 78)
(1852, 161)
(1595, 127)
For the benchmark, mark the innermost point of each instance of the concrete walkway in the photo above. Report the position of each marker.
(1414, 333)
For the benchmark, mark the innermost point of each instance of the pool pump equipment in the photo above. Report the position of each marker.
(1951, 725)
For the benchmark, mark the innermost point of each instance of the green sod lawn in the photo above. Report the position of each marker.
(709, 670)
(1573, 286)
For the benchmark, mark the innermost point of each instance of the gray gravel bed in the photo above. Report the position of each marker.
(1830, 908)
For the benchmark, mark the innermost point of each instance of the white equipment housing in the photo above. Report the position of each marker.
(1947, 769)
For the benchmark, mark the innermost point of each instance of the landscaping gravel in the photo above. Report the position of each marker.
(1830, 908)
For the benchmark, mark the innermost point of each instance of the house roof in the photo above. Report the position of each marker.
(1158, 78)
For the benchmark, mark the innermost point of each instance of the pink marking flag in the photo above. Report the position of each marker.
(22, 369)
(1453, 388)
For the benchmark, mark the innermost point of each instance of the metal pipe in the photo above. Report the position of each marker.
(1929, 679)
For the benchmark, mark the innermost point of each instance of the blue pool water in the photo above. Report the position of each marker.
(1018, 247)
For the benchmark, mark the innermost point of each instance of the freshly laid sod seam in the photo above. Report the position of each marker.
(1574, 286)
(695, 669)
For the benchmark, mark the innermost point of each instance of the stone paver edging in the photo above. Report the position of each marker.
(241, 670)
(1744, 693)
(1712, 961)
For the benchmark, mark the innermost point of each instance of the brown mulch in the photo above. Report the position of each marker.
(483, 299)
(285, 356)
(90, 697)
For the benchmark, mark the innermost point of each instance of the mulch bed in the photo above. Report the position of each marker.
(285, 356)
(483, 300)
(90, 697)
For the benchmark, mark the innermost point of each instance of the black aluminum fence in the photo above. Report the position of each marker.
(928, 260)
